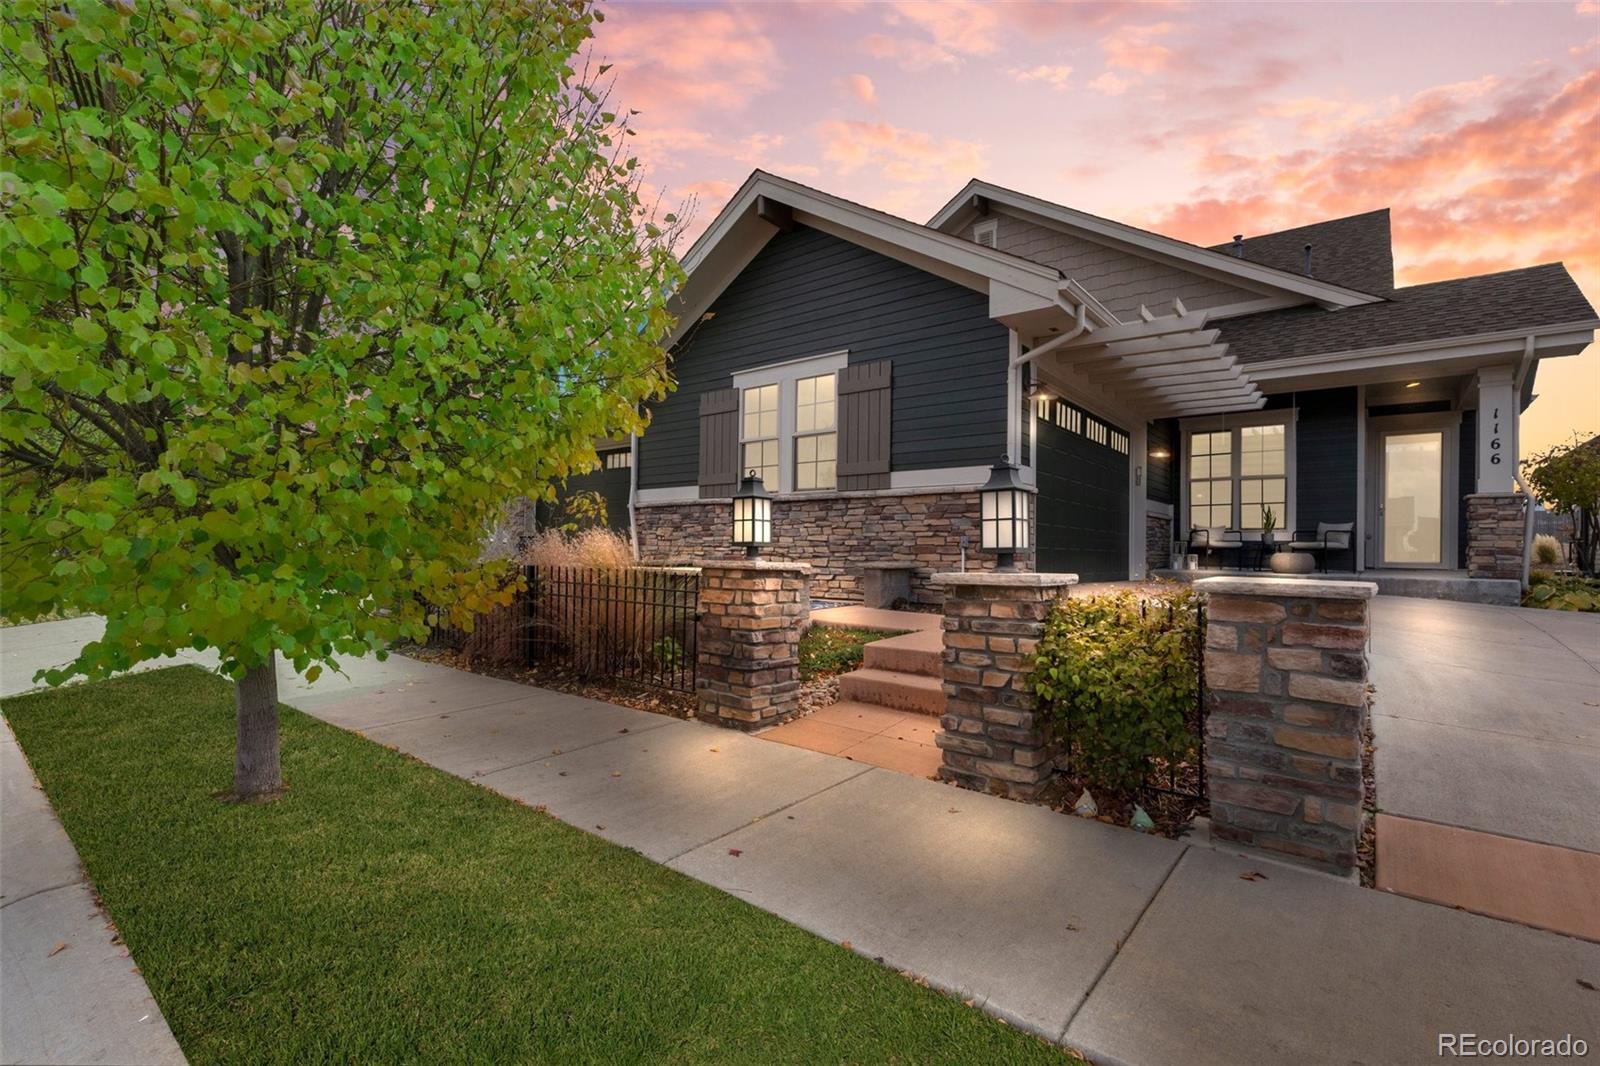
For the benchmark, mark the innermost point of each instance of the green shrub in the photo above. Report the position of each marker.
(1117, 675)
(829, 650)
(1563, 593)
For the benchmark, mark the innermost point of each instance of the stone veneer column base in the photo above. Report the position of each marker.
(752, 612)
(1496, 534)
(991, 739)
(1286, 700)
(1157, 542)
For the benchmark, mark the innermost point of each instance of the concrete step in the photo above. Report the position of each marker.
(890, 688)
(913, 653)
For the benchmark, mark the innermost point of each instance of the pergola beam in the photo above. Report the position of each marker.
(1199, 338)
(1203, 359)
(1130, 331)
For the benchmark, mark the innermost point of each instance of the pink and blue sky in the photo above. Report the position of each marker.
(1478, 124)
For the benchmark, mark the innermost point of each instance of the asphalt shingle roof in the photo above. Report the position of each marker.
(1489, 303)
(1355, 251)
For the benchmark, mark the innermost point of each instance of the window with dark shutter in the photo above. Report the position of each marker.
(719, 443)
(864, 426)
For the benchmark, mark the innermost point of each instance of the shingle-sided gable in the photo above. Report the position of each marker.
(1531, 298)
(1120, 280)
(1355, 251)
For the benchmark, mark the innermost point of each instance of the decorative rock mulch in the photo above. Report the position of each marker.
(638, 697)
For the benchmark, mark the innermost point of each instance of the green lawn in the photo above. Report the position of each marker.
(826, 650)
(383, 911)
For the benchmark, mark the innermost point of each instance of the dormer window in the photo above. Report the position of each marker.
(986, 233)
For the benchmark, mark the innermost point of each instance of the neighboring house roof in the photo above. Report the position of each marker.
(1150, 244)
(1354, 251)
(1538, 297)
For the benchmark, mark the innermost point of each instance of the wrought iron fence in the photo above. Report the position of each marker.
(633, 624)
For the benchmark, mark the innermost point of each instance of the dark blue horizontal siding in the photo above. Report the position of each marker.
(1325, 457)
(807, 293)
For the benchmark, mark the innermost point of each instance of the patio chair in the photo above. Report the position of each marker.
(1206, 540)
(1327, 539)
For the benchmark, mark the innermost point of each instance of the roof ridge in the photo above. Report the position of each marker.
(1305, 225)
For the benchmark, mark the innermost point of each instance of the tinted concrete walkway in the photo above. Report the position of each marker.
(1487, 729)
(1134, 949)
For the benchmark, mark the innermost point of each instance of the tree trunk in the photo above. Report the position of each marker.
(256, 773)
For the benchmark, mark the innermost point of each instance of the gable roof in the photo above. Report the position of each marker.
(1355, 251)
(1151, 245)
(1538, 297)
(1016, 286)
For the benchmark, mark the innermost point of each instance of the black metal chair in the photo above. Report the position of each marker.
(1208, 540)
(1328, 539)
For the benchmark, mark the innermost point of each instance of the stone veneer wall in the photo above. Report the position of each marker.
(1286, 692)
(835, 534)
(1157, 541)
(1496, 535)
(991, 739)
(752, 612)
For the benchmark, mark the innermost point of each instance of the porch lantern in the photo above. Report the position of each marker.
(1003, 518)
(752, 515)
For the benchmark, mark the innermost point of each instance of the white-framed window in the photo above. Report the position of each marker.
(1237, 471)
(758, 434)
(789, 422)
(617, 460)
(816, 438)
(1263, 474)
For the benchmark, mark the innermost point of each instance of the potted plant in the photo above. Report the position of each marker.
(1282, 562)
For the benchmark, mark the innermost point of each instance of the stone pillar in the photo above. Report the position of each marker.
(1496, 535)
(752, 612)
(992, 624)
(1286, 701)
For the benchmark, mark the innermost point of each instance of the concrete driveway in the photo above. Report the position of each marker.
(1488, 718)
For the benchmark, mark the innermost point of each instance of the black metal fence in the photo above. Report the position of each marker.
(633, 624)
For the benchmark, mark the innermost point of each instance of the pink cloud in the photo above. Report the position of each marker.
(860, 86)
(901, 155)
(1136, 48)
(930, 34)
(671, 61)
(1054, 75)
(1110, 84)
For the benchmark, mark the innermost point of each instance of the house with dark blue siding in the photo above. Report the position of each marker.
(1165, 401)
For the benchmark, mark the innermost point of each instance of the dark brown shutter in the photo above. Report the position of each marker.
(864, 426)
(719, 443)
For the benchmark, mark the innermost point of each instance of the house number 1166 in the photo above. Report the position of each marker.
(1494, 442)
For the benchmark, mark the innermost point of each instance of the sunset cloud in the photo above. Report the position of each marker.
(901, 155)
(1138, 48)
(936, 34)
(860, 86)
(671, 62)
(1054, 75)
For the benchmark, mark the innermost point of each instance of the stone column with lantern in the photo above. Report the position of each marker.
(752, 612)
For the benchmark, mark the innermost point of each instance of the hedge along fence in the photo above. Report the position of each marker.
(1119, 681)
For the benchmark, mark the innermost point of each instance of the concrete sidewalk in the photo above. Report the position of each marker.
(1133, 949)
(69, 993)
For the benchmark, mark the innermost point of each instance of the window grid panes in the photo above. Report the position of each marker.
(1263, 481)
(759, 432)
(618, 460)
(1211, 479)
(816, 443)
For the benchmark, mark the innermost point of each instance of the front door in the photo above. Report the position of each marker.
(1411, 498)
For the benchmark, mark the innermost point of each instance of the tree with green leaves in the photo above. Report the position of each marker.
(297, 296)
(1566, 479)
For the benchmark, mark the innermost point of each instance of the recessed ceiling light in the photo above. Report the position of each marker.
(1412, 384)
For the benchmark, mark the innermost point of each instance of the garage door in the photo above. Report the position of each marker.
(1083, 493)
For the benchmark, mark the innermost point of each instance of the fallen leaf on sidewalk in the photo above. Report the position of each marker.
(955, 810)
(735, 852)
(58, 949)
(616, 773)
(845, 944)
(1253, 875)
(712, 749)
(1585, 984)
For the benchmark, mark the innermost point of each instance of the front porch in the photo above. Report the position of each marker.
(1421, 584)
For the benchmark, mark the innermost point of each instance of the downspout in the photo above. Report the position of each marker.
(1055, 342)
(1516, 465)
(633, 493)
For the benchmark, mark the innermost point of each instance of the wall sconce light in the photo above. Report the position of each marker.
(752, 515)
(1160, 453)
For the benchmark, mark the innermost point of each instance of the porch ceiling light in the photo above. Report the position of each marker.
(752, 515)
(1413, 384)
(1004, 509)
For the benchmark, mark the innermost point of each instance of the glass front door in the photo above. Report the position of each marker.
(1413, 498)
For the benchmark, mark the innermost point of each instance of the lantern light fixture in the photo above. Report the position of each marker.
(1005, 508)
(752, 515)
